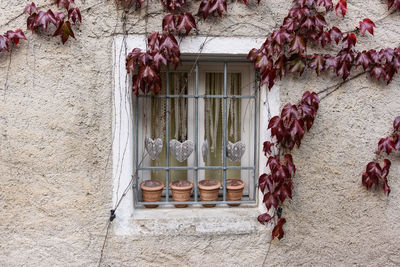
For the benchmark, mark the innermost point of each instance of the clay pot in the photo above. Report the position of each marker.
(234, 190)
(181, 191)
(209, 191)
(151, 191)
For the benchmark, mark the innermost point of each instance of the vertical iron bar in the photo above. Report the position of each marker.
(255, 134)
(167, 137)
(225, 126)
(137, 149)
(196, 132)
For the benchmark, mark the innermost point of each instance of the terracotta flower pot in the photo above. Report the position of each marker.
(181, 191)
(209, 191)
(151, 191)
(234, 190)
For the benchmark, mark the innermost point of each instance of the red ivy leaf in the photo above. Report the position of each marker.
(262, 180)
(367, 25)
(396, 3)
(159, 59)
(349, 40)
(397, 142)
(269, 76)
(320, 21)
(324, 39)
(297, 64)
(327, 3)
(267, 148)
(318, 63)
(65, 3)
(30, 9)
(297, 131)
(278, 229)
(386, 167)
(281, 36)
(277, 128)
(335, 34)
(4, 43)
(270, 200)
(378, 72)
(204, 8)
(168, 23)
(387, 144)
(290, 112)
(186, 21)
(64, 30)
(341, 7)
(219, 6)
(284, 191)
(15, 36)
(74, 14)
(289, 164)
(209, 6)
(298, 44)
(343, 69)
(43, 19)
(280, 65)
(363, 58)
(263, 218)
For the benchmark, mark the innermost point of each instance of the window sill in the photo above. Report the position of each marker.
(192, 221)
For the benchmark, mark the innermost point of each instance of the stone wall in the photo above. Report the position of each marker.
(56, 134)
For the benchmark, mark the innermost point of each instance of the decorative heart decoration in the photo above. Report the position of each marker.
(235, 151)
(204, 150)
(153, 147)
(181, 151)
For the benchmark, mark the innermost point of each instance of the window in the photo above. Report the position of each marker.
(211, 105)
(134, 220)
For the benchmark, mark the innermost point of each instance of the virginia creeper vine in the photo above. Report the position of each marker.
(376, 174)
(39, 20)
(284, 50)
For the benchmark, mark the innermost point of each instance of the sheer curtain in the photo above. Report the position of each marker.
(178, 128)
(213, 124)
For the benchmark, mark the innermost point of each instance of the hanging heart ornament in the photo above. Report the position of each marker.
(235, 151)
(181, 151)
(153, 147)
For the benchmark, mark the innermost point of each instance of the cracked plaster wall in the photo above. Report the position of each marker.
(55, 140)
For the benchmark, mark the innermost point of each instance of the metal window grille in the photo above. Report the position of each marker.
(195, 198)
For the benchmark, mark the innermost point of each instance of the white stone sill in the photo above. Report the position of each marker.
(164, 221)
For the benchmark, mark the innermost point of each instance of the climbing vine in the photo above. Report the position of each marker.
(11, 38)
(376, 173)
(39, 20)
(284, 51)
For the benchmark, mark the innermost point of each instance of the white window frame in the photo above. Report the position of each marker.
(169, 220)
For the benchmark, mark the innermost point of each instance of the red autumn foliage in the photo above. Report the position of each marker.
(288, 129)
(176, 23)
(40, 20)
(11, 38)
(375, 173)
(145, 66)
(285, 49)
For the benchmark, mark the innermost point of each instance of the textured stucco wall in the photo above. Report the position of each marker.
(55, 140)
